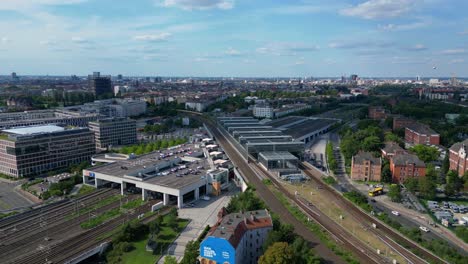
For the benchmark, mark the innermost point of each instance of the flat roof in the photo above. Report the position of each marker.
(308, 126)
(188, 172)
(277, 155)
(285, 121)
(31, 130)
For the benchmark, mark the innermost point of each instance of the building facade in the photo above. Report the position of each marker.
(29, 151)
(101, 86)
(113, 132)
(263, 111)
(459, 158)
(421, 134)
(377, 112)
(237, 238)
(401, 122)
(366, 167)
(391, 149)
(406, 166)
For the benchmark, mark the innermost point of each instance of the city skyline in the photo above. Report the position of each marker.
(377, 38)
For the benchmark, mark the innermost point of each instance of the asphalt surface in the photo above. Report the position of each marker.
(9, 198)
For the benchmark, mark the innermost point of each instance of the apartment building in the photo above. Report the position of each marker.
(34, 150)
(366, 167)
(404, 166)
(263, 110)
(421, 134)
(113, 132)
(237, 238)
(401, 122)
(458, 157)
(391, 149)
(377, 112)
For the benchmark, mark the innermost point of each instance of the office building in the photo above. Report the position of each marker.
(111, 132)
(101, 86)
(365, 167)
(459, 158)
(35, 150)
(236, 238)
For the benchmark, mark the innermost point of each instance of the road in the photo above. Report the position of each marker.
(9, 198)
(275, 205)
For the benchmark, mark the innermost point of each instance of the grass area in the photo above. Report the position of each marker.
(164, 238)
(133, 204)
(100, 219)
(4, 176)
(359, 199)
(266, 181)
(4, 205)
(316, 229)
(2, 215)
(100, 204)
(85, 189)
(329, 180)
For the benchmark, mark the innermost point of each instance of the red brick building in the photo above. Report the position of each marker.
(366, 167)
(391, 149)
(377, 112)
(404, 166)
(401, 122)
(459, 158)
(421, 134)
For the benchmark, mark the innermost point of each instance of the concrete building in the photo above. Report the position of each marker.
(421, 134)
(28, 151)
(101, 86)
(176, 175)
(113, 132)
(405, 166)
(459, 158)
(237, 238)
(366, 167)
(263, 111)
(289, 109)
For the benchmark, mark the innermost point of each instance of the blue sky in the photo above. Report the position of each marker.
(382, 38)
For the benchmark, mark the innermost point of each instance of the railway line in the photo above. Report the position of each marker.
(384, 232)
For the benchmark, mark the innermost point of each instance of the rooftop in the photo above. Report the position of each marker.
(421, 129)
(364, 156)
(32, 130)
(405, 159)
(285, 121)
(308, 126)
(456, 147)
(232, 227)
(392, 147)
(278, 155)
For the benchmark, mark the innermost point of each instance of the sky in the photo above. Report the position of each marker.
(235, 38)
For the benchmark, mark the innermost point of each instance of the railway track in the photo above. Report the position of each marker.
(384, 232)
(64, 250)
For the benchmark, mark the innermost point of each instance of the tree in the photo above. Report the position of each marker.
(285, 233)
(303, 253)
(453, 183)
(411, 184)
(278, 253)
(191, 252)
(371, 143)
(394, 193)
(427, 188)
(246, 201)
(386, 173)
(170, 260)
(425, 153)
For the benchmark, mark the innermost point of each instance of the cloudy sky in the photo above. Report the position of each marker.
(235, 37)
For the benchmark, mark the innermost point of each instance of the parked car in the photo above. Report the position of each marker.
(206, 198)
(396, 213)
(423, 228)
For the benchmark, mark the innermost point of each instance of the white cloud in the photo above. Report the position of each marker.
(456, 61)
(5, 40)
(48, 43)
(380, 9)
(409, 26)
(233, 52)
(453, 51)
(80, 40)
(286, 49)
(344, 44)
(417, 47)
(153, 38)
(463, 32)
(198, 4)
(24, 5)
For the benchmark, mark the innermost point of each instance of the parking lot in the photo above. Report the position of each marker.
(9, 198)
(201, 214)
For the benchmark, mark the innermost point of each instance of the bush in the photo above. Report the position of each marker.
(329, 180)
(359, 199)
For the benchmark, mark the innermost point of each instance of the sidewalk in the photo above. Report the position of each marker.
(204, 213)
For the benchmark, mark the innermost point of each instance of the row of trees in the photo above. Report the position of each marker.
(332, 163)
(144, 148)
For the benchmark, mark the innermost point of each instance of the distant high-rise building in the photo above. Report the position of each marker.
(14, 77)
(453, 81)
(101, 86)
(119, 77)
(113, 132)
(354, 77)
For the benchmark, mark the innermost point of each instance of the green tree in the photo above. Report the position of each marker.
(278, 253)
(386, 173)
(453, 183)
(425, 153)
(303, 253)
(372, 143)
(412, 184)
(394, 193)
(170, 260)
(427, 188)
(245, 201)
(191, 252)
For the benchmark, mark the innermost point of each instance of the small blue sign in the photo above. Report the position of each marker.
(91, 174)
(218, 249)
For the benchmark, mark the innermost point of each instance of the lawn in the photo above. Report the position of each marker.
(85, 189)
(165, 237)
